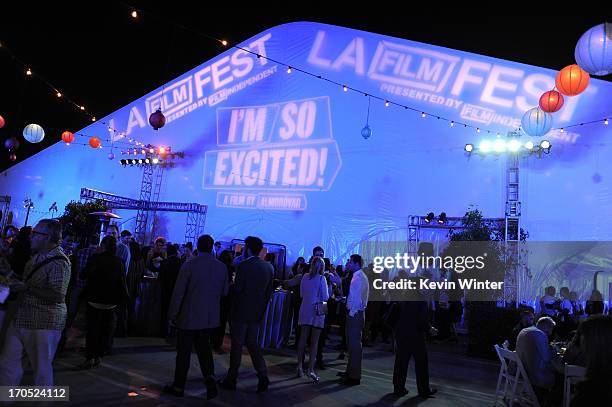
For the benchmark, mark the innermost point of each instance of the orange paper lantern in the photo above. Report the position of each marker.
(94, 142)
(572, 80)
(551, 101)
(67, 137)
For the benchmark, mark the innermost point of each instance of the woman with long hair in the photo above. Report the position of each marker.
(314, 292)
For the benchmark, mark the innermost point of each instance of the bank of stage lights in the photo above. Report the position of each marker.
(150, 155)
(500, 146)
(431, 216)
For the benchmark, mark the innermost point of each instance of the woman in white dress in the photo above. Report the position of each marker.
(313, 290)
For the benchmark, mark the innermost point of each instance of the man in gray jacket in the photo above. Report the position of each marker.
(195, 310)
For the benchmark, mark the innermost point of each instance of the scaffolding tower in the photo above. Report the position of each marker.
(512, 225)
(196, 213)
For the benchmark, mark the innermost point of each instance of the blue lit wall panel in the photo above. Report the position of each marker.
(281, 155)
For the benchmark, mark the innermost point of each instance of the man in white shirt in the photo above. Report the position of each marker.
(356, 303)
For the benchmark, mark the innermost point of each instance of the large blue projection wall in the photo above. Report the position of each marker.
(281, 155)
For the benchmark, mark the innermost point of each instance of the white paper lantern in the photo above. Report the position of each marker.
(33, 133)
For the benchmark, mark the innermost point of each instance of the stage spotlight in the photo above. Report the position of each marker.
(155, 160)
(499, 146)
(485, 146)
(442, 218)
(529, 145)
(430, 217)
(545, 144)
(133, 162)
(514, 145)
(147, 161)
(469, 148)
(140, 161)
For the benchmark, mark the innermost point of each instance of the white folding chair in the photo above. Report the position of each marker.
(573, 374)
(513, 384)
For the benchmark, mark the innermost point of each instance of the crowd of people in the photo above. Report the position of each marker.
(206, 288)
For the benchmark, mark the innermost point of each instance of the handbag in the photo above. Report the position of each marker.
(321, 306)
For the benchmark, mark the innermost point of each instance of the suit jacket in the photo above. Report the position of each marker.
(196, 298)
(413, 321)
(252, 290)
(105, 277)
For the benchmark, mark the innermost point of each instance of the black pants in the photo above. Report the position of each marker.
(218, 334)
(406, 349)
(185, 341)
(100, 328)
(245, 333)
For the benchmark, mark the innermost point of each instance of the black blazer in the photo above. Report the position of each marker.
(252, 290)
(105, 275)
(413, 321)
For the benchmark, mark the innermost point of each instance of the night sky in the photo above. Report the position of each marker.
(103, 59)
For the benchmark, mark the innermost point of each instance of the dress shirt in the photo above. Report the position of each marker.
(537, 356)
(358, 293)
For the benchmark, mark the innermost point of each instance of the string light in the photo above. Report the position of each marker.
(93, 119)
(134, 14)
(288, 69)
(606, 122)
(82, 107)
(478, 130)
(386, 103)
(58, 94)
(224, 43)
(452, 123)
(29, 72)
(345, 88)
(423, 115)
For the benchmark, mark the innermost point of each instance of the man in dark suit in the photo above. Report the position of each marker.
(251, 293)
(168, 274)
(194, 309)
(410, 331)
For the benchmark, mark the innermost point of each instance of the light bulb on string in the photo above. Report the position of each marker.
(386, 103)
(345, 88)
(29, 72)
(606, 122)
(288, 69)
(224, 43)
(423, 115)
(366, 131)
(134, 14)
(58, 94)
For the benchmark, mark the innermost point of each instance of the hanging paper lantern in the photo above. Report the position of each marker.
(594, 50)
(12, 156)
(33, 133)
(11, 143)
(572, 80)
(111, 156)
(94, 142)
(366, 132)
(67, 137)
(536, 122)
(551, 101)
(1, 122)
(157, 120)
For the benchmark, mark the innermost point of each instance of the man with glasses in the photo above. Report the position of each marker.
(40, 318)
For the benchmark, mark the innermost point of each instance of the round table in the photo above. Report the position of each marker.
(275, 328)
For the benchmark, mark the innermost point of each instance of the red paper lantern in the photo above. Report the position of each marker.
(551, 101)
(67, 137)
(1, 122)
(157, 120)
(572, 80)
(94, 142)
